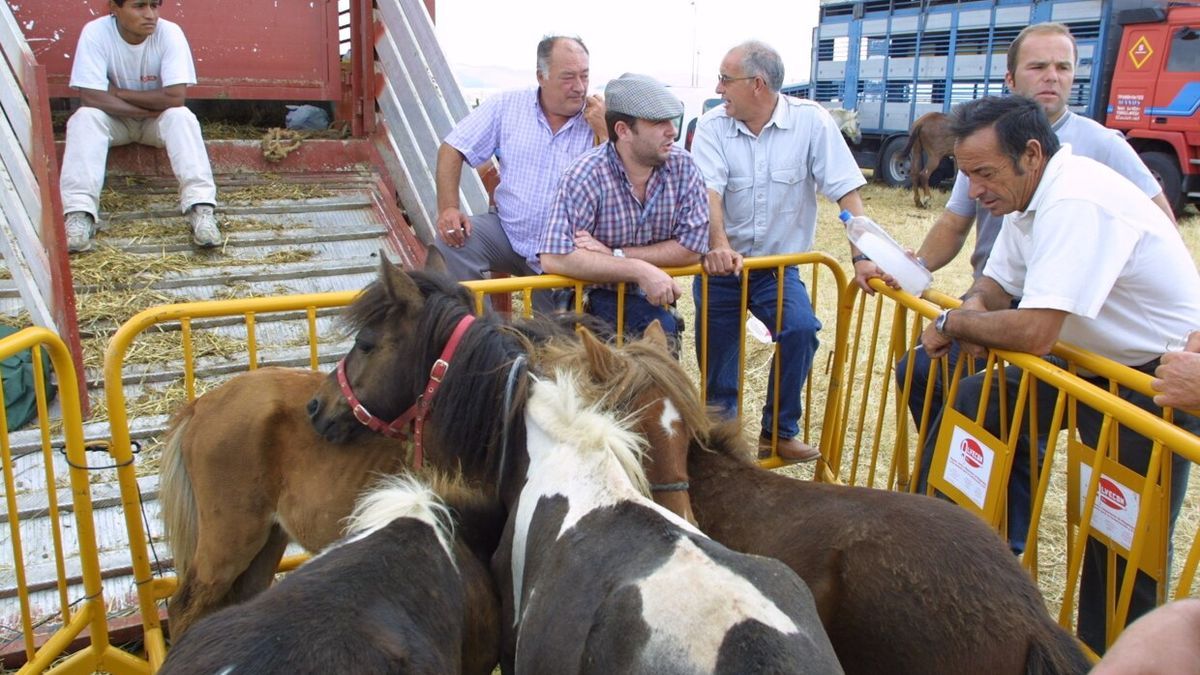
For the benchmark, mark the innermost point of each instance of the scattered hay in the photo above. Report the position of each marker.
(4, 273)
(293, 255)
(101, 311)
(169, 228)
(163, 347)
(19, 320)
(256, 194)
(113, 201)
(108, 267)
(227, 131)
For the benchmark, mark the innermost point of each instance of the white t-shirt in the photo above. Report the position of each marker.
(103, 57)
(1092, 244)
(1088, 138)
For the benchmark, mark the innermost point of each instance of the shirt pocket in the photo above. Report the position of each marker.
(786, 189)
(739, 199)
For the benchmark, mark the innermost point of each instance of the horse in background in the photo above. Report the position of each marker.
(596, 577)
(929, 142)
(934, 579)
(408, 590)
(847, 121)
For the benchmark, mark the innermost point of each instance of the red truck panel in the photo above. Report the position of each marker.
(244, 49)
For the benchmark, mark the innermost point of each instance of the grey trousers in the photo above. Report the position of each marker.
(488, 250)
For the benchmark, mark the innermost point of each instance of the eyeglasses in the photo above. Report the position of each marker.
(725, 79)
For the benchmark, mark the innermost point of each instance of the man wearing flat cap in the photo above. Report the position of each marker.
(630, 207)
(764, 157)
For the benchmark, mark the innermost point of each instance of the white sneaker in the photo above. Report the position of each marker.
(80, 230)
(205, 232)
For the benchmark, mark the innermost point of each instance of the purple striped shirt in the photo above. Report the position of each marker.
(595, 195)
(512, 126)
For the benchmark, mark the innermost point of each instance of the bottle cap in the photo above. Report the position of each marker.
(845, 216)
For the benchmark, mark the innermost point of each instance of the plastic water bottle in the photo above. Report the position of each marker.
(890, 256)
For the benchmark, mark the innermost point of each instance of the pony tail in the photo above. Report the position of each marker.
(176, 497)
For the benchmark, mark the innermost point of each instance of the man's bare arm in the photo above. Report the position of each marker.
(157, 100)
(452, 224)
(945, 239)
(596, 266)
(111, 104)
(1021, 330)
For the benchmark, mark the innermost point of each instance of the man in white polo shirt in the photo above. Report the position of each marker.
(132, 70)
(1095, 263)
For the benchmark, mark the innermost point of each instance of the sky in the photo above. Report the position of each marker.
(491, 45)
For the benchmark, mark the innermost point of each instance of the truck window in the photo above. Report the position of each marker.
(1185, 51)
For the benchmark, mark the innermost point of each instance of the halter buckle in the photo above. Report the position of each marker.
(361, 414)
(438, 371)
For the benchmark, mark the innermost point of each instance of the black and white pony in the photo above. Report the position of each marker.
(408, 590)
(596, 577)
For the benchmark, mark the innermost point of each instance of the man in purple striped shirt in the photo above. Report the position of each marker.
(535, 134)
(630, 207)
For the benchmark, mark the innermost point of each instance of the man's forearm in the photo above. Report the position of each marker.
(1022, 330)
(593, 266)
(447, 176)
(113, 105)
(988, 294)
(852, 202)
(152, 99)
(668, 253)
(944, 240)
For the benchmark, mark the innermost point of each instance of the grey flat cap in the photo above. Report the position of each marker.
(642, 97)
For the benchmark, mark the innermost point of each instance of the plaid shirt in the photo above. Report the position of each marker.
(512, 126)
(595, 195)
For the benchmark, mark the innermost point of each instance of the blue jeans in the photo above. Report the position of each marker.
(602, 303)
(1134, 453)
(797, 341)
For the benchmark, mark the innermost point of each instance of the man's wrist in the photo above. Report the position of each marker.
(619, 253)
(939, 324)
(861, 257)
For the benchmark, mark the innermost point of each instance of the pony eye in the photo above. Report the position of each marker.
(364, 343)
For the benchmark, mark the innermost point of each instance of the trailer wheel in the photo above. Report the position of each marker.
(1166, 171)
(894, 163)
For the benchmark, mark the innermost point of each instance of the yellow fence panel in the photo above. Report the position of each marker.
(74, 554)
(1082, 424)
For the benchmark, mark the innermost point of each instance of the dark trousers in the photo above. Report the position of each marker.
(1134, 452)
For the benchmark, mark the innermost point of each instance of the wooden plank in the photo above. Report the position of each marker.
(415, 184)
(12, 42)
(20, 171)
(29, 271)
(16, 110)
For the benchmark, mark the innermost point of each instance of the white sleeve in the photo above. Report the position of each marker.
(1073, 269)
(177, 66)
(1121, 157)
(709, 155)
(1006, 265)
(90, 68)
(960, 202)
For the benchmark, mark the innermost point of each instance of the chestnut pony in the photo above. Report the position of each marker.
(929, 141)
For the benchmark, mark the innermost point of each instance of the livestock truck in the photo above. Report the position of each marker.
(894, 60)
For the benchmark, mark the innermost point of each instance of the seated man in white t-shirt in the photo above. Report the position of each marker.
(132, 70)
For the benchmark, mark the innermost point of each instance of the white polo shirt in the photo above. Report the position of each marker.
(769, 182)
(1092, 244)
(103, 57)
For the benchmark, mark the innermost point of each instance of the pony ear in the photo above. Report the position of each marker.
(601, 358)
(434, 260)
(655, 335)
(400, 287)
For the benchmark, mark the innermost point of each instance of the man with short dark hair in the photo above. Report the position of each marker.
(534, 134)
(132, 70)
(764, 156)
(1096, 264)
(1041, 66)
(626, 209)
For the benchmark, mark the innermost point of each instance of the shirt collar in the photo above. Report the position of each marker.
(1024, 219)
(541, 114)
(778, 118)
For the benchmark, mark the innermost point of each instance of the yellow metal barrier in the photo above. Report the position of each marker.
(75, 615)
(884, 449)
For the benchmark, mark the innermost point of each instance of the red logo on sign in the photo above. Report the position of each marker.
(972, 452)
(1111, 494)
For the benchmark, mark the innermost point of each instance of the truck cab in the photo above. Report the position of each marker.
(1155, 95)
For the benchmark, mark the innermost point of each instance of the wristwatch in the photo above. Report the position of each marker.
(939, 324)
(618, 253)
(858, 258)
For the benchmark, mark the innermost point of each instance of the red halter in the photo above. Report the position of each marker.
(418, 411)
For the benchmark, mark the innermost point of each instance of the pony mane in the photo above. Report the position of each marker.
(642, 365)
(375, 304)
(401, 496)
(559, 409)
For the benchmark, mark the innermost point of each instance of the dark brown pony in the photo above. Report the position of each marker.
(929, 142)
(407, 591)
(903, 583)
